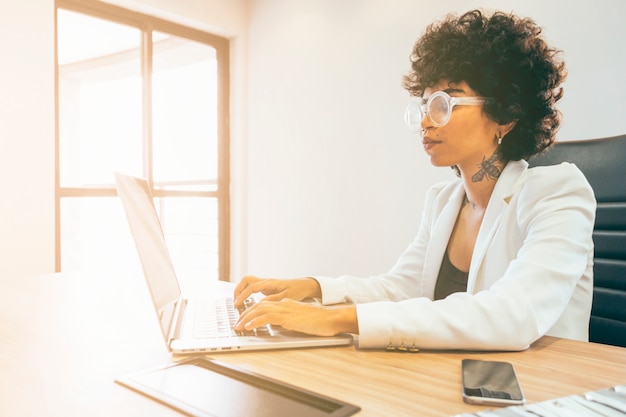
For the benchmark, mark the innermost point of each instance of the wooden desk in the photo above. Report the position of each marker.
(64, 338)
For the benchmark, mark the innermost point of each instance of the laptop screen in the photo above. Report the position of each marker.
(151, 246)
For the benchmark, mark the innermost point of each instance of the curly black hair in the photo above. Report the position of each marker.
(500, 56)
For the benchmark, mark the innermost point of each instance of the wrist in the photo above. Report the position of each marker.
(314, 290)
(345, 319)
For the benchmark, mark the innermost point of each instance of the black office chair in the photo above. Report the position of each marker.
(603, 161)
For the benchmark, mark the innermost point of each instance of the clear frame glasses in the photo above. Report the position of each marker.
(438, 108)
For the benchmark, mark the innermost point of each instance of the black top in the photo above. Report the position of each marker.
(450, 279)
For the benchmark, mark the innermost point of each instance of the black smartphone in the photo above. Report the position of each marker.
(490, 383)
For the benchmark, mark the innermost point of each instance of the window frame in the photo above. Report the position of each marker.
(148, 24)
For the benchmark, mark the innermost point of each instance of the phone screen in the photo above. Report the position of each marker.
(490, 383)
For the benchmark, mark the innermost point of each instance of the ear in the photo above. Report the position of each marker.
(504, 129)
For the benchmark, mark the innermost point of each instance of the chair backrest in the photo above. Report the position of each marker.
(603, 161)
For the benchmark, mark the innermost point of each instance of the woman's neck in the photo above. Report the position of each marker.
(479, 183)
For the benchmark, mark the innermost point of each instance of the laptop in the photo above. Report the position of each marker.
(177, 315)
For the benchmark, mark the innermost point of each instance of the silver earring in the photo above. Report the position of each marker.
(499, 138)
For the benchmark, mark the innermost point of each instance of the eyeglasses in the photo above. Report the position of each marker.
(438, 108)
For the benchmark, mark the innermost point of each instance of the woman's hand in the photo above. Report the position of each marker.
(301, 317)
(277, 289)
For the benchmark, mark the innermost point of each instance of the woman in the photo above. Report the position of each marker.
(504, 254)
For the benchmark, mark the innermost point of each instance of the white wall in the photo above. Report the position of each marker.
(26, 137)
(335, 179)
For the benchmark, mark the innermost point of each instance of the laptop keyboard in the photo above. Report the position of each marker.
(216, 318)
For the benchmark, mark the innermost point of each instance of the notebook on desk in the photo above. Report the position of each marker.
(175, 313)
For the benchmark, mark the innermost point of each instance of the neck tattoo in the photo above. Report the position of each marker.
(488, 168)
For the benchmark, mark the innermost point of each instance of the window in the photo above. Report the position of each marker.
(146, 97)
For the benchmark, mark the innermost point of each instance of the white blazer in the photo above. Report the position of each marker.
(530, 275)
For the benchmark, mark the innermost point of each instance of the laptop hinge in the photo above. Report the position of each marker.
(176, 325)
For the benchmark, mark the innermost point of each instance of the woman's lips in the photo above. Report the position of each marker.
(429, 143)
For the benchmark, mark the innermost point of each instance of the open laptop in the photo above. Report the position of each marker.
(177, 314)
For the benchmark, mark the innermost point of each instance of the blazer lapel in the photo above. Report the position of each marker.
(498, 202)
(440, 235)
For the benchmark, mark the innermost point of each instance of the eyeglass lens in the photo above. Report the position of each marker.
(437, 108)
(414, 115)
